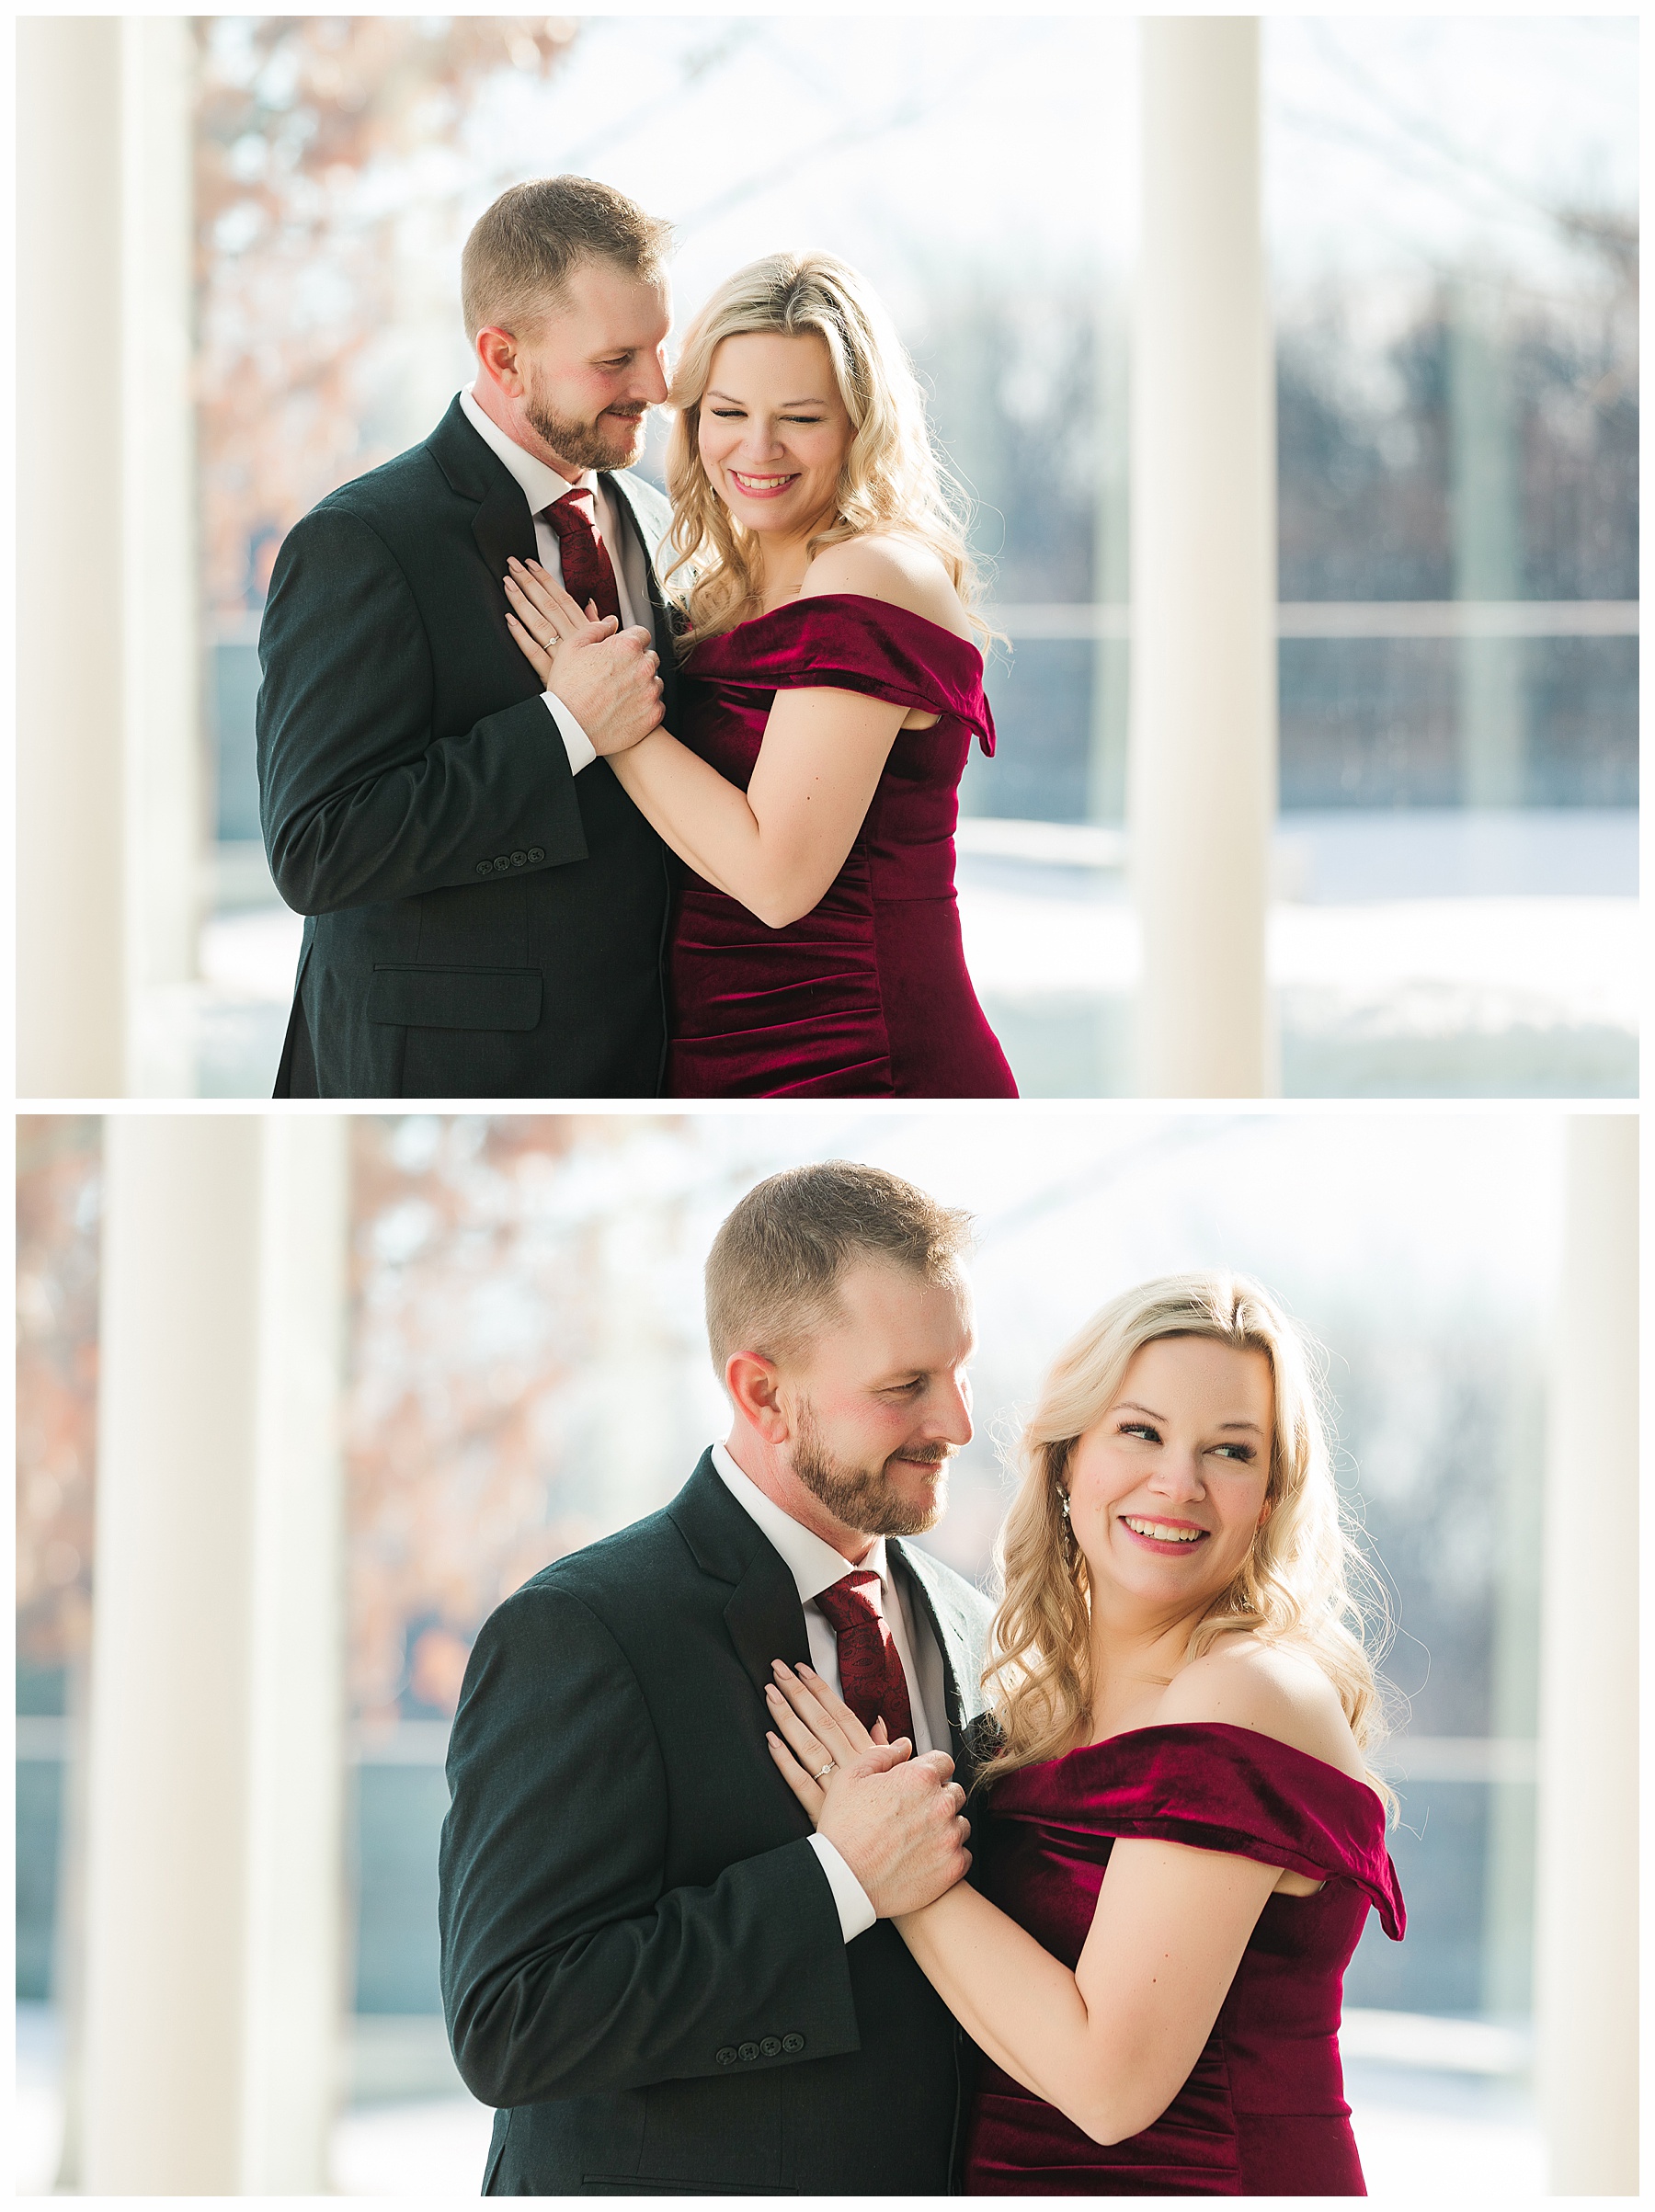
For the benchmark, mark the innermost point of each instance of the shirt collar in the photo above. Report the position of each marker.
(540, 485)
(814, 1565)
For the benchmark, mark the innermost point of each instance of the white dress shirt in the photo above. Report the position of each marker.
(541, 485)
(815, 1567)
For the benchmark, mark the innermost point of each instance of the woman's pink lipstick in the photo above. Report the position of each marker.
(773, 491)
(1168, 1547)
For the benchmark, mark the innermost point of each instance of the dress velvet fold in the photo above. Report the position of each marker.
(1262, 2112)
(867, 995)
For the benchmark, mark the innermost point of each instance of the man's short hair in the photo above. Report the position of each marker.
(773, 1272)
(521, 252)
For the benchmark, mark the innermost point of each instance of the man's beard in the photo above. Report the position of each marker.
(858, 1498)
(611, 442)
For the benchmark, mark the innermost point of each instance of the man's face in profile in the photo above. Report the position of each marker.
(881, 1399)
(597, 365)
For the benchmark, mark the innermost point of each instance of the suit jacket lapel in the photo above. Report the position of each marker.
(764, 1617)
(621, 492)
(961, 1648)
(766, 1620)
(502, 525)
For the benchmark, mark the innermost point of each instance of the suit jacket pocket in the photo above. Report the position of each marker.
(720, 2135)
(422, 997)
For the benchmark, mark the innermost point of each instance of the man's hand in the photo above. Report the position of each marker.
(893, 1819)
(610, 682)
(898, 1826)
(607, 678)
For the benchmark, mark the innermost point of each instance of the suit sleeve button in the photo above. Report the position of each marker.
(726, 2056)
(748, 2052)
(519, 860)
(537, 853)
(772, 2047)
(502, 862)
(484, 867)
(793, 2043)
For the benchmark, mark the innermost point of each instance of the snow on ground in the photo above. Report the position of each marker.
(1408, 959)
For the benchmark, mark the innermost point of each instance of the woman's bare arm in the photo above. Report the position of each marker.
(779, 846)
(1112, 2042)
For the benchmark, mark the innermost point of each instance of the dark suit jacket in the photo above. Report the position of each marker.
(482, 923)
(642, 1961)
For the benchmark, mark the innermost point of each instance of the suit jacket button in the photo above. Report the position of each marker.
(537, 853)
(484, 867)
(518, 859)
(793, 2043)
(772, 2047)
(750, 2051)
(726, 2056)
(502, 861)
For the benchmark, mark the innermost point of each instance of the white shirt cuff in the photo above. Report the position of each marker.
(855, 1908)
(582, 752)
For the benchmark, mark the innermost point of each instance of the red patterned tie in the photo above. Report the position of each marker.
(871, 1677)
(587, 574)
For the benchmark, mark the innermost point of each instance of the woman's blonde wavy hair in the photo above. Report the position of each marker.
(891, 478)
(1299, 1585)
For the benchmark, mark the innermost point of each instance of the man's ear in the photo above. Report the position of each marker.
(497, 352)
(754, 1385)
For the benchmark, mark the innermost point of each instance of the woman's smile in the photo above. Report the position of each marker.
(1157, 1534)
(760, 486)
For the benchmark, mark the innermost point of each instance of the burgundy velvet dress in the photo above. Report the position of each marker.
(867, 995)
(1264, 2112)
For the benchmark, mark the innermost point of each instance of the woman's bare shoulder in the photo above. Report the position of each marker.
(1247, 1683)
(900, 570)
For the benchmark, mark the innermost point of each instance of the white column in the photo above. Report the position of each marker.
(70, 781)
(1201, 783)
(165, 818)
(109, 785)
(1586, 1933)
(214, 1851)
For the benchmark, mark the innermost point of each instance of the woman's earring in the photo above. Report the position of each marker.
(1063, 1503)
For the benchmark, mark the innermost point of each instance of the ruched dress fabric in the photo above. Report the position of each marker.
(1263, 2111)
(867, 995)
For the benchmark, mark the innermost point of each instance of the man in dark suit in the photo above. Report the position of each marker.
(664, 1981)
(485, 906)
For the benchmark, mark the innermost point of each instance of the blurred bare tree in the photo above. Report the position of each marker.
(318, 141)
(517, 1336)
(59, 1179)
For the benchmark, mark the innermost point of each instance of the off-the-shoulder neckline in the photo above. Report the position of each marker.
(1223, 1728)
(865, 598)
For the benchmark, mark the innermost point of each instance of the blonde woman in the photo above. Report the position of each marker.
(831, 688)
(1180, 1839)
